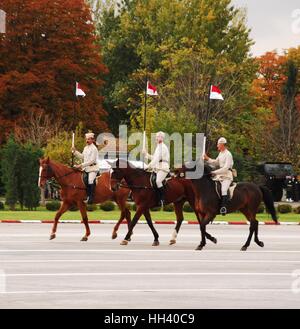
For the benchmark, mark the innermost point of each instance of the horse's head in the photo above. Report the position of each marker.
(122, 169)
(46, 172)
(116, 173)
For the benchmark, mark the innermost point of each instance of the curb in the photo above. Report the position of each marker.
(141, 222)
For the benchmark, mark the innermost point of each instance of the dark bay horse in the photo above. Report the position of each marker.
(178, 191)
(73, 192)
(247, 198)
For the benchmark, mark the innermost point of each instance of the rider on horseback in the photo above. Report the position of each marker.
(159, 164)
(89, 165)
(224, 163)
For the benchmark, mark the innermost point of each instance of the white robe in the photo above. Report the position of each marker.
(160, 163)
(89, 157)
(223, 173)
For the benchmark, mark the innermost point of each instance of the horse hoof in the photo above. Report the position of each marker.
(114, 236)
(52, 236)
(214, 240)
(85, 238)
(199, 247)
(155, 244)
(124, 243)
(172, 242)
(260, 244)
(244, 248)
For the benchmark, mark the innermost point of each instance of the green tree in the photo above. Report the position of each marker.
(183, 46)
(9, 167)
(20, 169)
(59, 147)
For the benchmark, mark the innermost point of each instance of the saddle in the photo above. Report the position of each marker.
(229, 192)
(153, 179)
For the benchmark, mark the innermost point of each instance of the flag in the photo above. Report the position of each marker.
(79, 91)
(215, 93)
(151, 90)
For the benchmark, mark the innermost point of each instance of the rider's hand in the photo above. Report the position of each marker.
(205, 157)
(77, 166)
(144, 152)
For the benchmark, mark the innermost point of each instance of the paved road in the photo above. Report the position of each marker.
(65, 272)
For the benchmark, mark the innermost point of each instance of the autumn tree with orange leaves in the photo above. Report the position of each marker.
(48, 46)
(276, 90)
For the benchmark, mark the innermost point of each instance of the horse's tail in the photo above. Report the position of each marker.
(269, 202)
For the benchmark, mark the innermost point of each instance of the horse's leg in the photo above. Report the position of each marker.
(251, 231)
(116, 227)
(207, 235)
(82, 208)
(179, 219)
(63, 208)
(203, 224)
(135, 219)
(150, 224)
(256, 239)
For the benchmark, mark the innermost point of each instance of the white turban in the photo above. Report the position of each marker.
(160, 134)
(89, 135)
(222, 140)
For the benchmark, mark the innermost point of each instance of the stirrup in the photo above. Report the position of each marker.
(223, 211)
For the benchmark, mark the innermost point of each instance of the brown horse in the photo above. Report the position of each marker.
(73, 192)
(178, 191)
(246, 198)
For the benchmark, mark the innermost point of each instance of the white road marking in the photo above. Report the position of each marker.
(150, 274)
(181, 236)
(194, 290)
(213, 261)
(125, 250)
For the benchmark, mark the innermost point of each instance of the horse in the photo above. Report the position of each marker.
(73, 192)
(247, 198)
(178, 191)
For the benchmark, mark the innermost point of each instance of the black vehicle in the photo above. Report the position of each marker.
(278, 176)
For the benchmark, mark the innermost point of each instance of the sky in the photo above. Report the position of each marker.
(272, 23)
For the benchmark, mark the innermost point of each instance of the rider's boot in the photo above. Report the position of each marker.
(88, 188)
(161, 194)
(91, 193)
(224, 205)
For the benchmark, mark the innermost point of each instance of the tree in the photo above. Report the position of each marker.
(183, 46)
(276, 90)
(20, 169)
(9, 167)
(59, 147)
(48, 46)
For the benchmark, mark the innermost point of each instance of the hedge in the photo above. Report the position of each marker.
(107, 206)
(169, 207)
(284, 208)
(187, 207)
(53, 205)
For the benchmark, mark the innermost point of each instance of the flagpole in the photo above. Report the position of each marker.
(206, 120)
(74, 128)
(145, 118)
